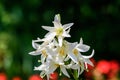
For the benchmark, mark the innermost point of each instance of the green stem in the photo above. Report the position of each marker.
(74, 74)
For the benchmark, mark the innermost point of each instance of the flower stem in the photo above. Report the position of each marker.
(75, 75)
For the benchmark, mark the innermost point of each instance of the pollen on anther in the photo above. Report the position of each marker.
(75, 51)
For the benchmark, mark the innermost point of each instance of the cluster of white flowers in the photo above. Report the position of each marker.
(56, 52)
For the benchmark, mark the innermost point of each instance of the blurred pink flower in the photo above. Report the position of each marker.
(3, 76)
(35, 77)
(16, 78)
(103, 66)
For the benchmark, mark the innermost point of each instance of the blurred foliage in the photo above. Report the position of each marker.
(21, 20)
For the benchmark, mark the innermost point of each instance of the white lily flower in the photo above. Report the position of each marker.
(82, 63)
(44, 68)
(55, 52)
(59, 30)
(56, 64)
(52, 64)
(83, 48)
(82, 60)
(57, 60)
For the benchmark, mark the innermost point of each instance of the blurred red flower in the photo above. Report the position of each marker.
(114, 68)
(103, 69)
(103, 66)
(3, 76)
(35, 77)
(54, 76)
(16, 78)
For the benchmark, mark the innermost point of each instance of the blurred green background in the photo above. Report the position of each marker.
(97, 22)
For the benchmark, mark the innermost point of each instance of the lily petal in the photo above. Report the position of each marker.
(89, 55)
(57, 18)
(50, 36)
(73, 57)
(43, 58)
(41, 67)
(68, 30)
(60, 40)
(48, 28)
(35, 45)
(81, 41)
(64, 71)
(66, 26)
(52, 68)
(34, 53)
(57, 24)
(65, 34)
(88, 62)
(83, 47)
(75, 66)
(82, 68)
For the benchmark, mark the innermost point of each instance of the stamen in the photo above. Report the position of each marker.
(75, 51)
(44, 52)
(62, 52)
(59, 31)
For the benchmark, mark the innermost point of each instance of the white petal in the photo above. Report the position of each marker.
(43, 58)
(81, 41)
(35, 45)
(52, 68)
(34, 53)
(57, 24)
(38, 39)
(78, 71)
(83, 48)
(47, 35)
(60, 40)
(68, 30)
(41, 67)
(81, 68)
(89, 62)
(64, 71)
(66, 59)
(51, 53)
(75, 66)
(72, 45)
(65, 34)
(89, 55)
(50, 36)
(55, 42)
(57, 18)
(66, 26)
(48, 28)
(73, 57)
